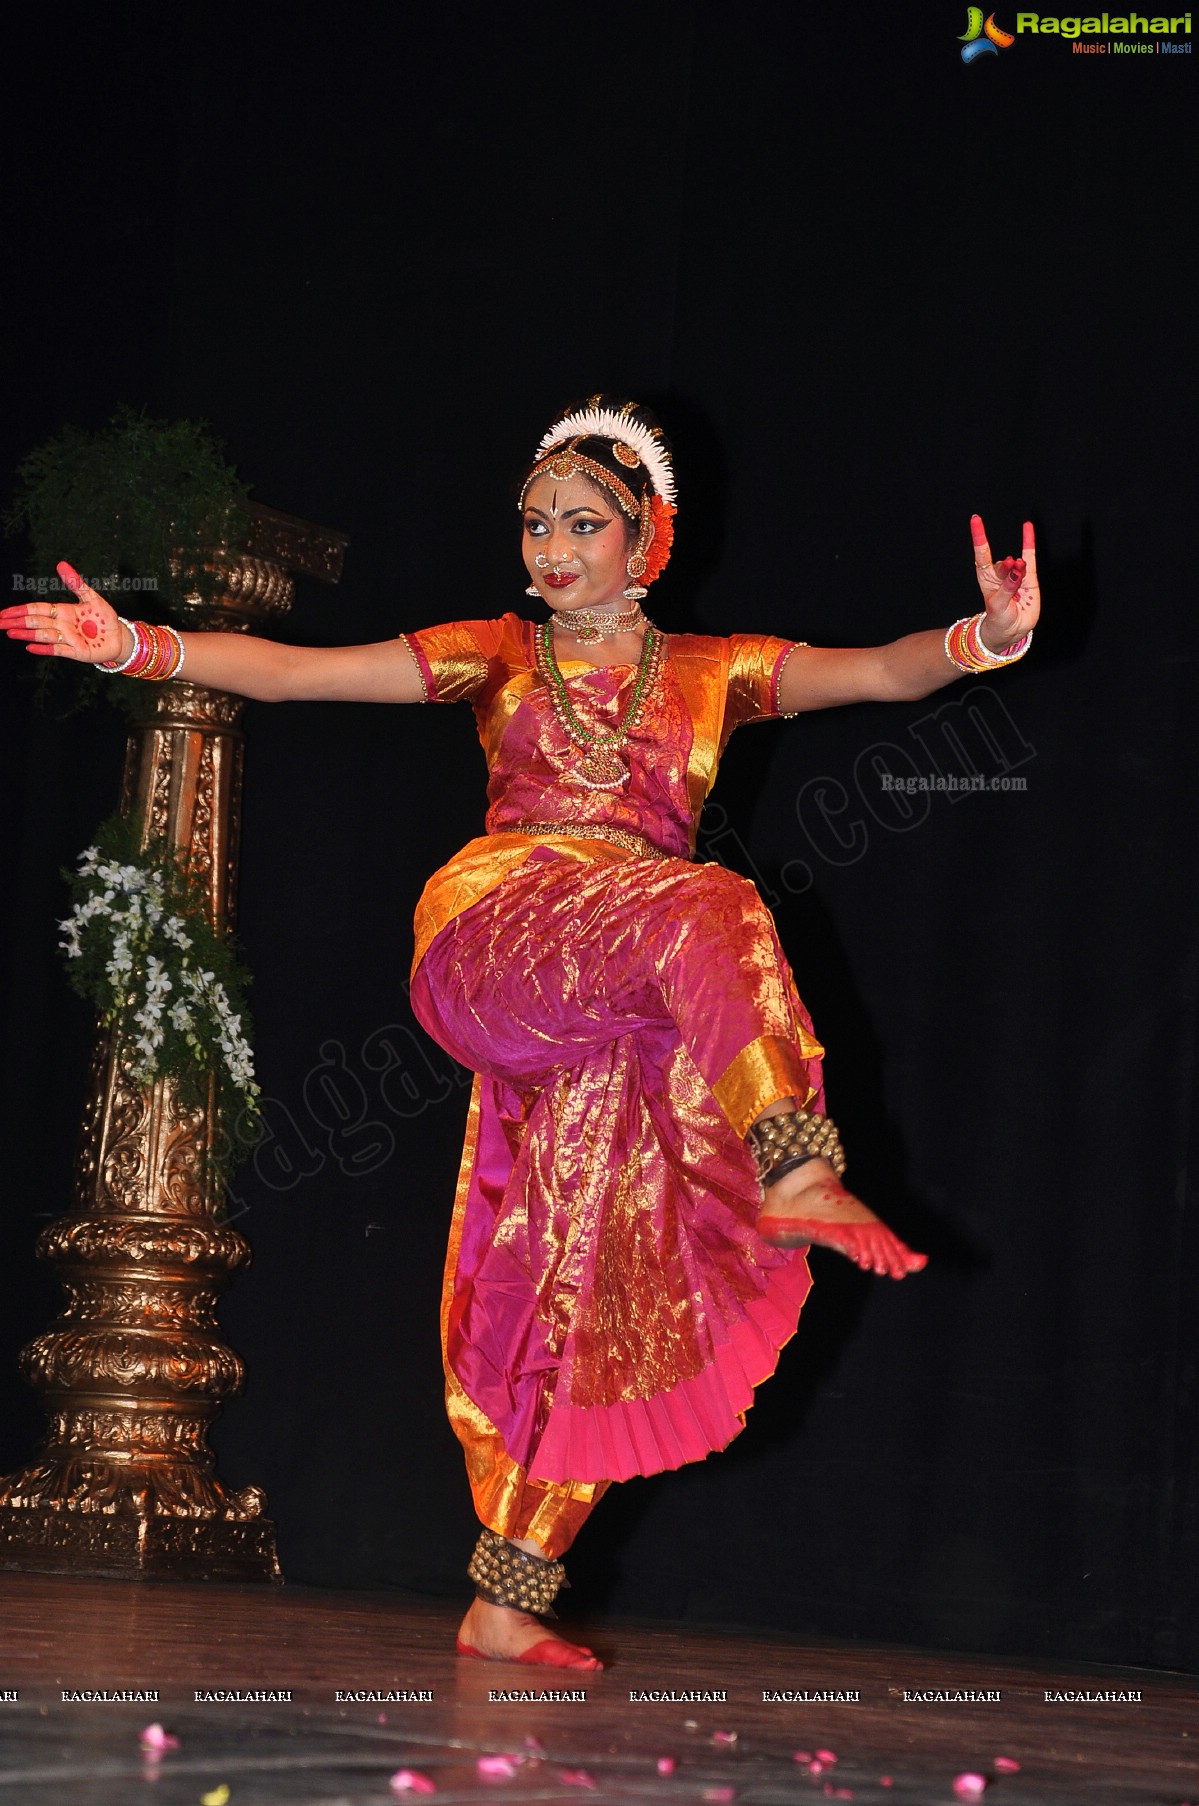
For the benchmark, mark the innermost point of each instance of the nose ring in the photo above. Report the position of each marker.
(541, 561)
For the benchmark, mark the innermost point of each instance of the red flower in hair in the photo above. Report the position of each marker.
(658, 550)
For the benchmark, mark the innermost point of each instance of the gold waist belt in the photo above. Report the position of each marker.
(589, 830)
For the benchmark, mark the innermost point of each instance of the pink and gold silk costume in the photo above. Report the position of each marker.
(608, 1307)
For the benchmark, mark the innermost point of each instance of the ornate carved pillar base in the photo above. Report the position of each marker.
(124, 1546)
(134, 1370)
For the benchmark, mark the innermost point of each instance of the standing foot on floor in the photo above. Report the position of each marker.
(498, 1633)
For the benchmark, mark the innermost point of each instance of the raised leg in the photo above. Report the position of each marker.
(810, 1206)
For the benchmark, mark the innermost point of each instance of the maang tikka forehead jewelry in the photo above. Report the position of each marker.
(571, 462)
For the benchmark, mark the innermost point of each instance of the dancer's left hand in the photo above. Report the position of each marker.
(1010, 591)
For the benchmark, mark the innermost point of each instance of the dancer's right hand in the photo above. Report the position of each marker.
(87, 629)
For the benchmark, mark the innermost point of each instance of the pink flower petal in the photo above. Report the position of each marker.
(410, 1780)
(886, 1781)
(969, 1786)
(665, 1765)
(801, 1756)
(719, 1793)
(724, 1736)
(576, 1777)
(535, 1746)
(496, 1768)
(155, 1738)
(826, 1756)
(1007, 1765)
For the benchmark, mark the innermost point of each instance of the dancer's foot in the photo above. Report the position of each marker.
(810, 1205)
(500, 1634)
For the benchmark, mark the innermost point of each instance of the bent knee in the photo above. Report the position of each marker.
(723, 890)
(712, 902)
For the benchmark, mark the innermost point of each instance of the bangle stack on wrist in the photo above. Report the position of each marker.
(157, 653)
(964, 647)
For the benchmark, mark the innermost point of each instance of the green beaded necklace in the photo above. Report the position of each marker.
(598, 765)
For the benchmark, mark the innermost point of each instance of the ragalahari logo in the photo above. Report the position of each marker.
(982, 37)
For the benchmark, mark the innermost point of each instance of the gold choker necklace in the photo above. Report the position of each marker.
(587, 626)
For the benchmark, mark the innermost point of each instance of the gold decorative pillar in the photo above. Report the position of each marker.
(134, 1370)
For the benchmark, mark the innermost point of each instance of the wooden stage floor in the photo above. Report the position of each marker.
(1132, 1736)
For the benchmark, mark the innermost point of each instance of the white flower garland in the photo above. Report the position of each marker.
(152, 972)
(606, 423)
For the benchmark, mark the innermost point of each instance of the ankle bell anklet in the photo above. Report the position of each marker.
(781, 1143)
(506, 1575)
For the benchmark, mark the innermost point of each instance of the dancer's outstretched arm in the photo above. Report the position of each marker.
(89, 631)
(822, 677)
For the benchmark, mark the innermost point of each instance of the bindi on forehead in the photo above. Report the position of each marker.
(564, 500)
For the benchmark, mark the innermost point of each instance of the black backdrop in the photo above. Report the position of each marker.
(869, 289)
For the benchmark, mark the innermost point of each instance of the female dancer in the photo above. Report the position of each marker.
(647, 1155)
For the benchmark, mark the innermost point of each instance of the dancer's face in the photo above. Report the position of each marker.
(576, 544)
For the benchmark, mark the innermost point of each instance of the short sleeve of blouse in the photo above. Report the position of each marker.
(756, 663)
(455, 660)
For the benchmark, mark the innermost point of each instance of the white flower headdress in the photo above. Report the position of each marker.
(621, 426)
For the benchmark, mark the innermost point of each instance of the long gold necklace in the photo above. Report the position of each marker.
(597, 764)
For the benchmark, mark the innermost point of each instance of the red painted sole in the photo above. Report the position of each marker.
(541, 1655)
